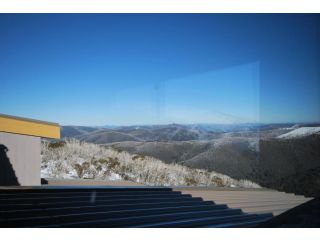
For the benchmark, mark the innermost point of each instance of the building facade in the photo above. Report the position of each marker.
(20, 149)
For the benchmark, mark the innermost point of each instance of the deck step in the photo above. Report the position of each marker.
(116, 207)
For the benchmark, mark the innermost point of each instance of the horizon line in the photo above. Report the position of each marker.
(187, 124)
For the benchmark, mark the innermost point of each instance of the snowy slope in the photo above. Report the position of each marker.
(75, 160)
(301, 132)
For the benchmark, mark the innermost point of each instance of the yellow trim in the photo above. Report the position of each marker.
(31, 127)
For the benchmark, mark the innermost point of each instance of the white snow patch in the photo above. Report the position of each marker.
(300, 132)
(115, 177)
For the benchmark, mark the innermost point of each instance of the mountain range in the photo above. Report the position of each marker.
(175, 132)
(279, 156)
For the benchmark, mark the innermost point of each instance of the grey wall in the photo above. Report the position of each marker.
(19, 160)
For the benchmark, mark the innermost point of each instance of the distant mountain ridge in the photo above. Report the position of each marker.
(172, 132)
(176, 132)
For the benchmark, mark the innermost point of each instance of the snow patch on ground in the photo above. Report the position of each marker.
(300, 132)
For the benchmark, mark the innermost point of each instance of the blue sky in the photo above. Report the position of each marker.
(123, 69)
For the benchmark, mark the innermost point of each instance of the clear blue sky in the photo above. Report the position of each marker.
(122, 69)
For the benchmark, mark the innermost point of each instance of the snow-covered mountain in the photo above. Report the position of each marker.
(300, 132)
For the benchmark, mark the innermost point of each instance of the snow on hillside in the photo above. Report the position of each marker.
(300, 132)
(75, 159)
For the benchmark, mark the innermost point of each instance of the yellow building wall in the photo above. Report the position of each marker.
(30, 127)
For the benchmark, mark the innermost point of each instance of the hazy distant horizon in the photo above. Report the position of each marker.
(188, 124)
